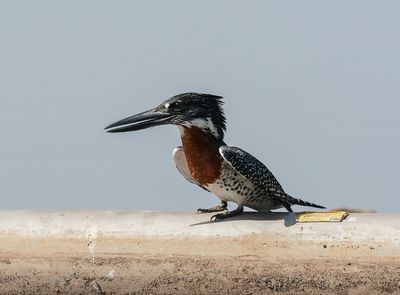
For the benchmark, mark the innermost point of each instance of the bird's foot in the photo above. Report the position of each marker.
(218, 217)
(221, 216)
(210, 210)
(222, 207)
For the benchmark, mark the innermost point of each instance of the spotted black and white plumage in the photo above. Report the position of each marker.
(250, 168)
(264, 182)
(204, 159)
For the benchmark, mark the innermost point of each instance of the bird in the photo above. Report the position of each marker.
(204, 159)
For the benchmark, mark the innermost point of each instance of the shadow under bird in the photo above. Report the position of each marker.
(204, 159)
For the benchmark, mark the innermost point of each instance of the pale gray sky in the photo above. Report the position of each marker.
(311, 89)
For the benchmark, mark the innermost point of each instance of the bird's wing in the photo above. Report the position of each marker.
(256, 172)
(251, 169)
(180, 161)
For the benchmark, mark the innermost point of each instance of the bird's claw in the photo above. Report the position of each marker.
(211, 210)
(200, 210)
(217, 217)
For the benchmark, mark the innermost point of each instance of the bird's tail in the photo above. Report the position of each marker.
(294, 201)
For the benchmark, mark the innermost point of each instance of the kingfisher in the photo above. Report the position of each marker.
(204, 159)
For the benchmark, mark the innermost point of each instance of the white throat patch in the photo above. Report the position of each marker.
(205, 124)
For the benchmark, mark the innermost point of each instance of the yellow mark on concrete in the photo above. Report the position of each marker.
(331, 216)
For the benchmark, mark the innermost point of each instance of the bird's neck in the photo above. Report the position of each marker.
(207, 125)
(202, 153)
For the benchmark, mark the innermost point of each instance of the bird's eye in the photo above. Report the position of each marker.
(175, 104)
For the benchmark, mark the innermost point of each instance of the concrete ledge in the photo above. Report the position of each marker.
(361, 235)
(105, 252)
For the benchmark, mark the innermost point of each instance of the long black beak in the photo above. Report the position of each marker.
(140, 121)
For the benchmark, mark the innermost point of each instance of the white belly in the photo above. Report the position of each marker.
(225, 194)
(231, 186)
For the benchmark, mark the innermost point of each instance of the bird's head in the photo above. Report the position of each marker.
(186, 110)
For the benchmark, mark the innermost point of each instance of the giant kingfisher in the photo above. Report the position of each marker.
(204, 159)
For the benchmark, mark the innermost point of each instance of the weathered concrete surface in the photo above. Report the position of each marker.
(176, 233)
(45, 252)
